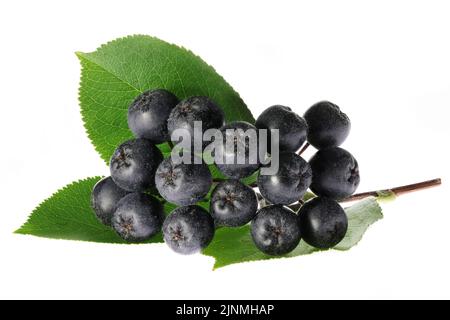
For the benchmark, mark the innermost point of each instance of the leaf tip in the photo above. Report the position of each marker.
(216, 265)
(21, 230)
(79, 54)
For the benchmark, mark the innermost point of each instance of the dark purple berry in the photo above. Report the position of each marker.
(181, 183)
(105, 196)
(148, 114)
(292, 128)
(290, 183)
(133, 164)
(328, 126)
(323, 223)
(188, 230)
(233, 204)
(275, 230)
(335, 173)
(138, 217)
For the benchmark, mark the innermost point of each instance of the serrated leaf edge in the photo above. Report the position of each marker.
(82, 55)
(216, 266)
(377, 204)
(21, 230)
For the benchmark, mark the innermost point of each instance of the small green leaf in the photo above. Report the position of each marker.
(235, 245)
(67, 214)
(119, 71)
(360, 216)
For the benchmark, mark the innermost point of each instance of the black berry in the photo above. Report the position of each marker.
(275, 230)
(292, 128)
(138, 217)
(230, 163)
(188, 230)
(323, 223)
(183, 184)
(134, 163)
(105, 196)
(233, 204)
(328, 126)
(335, 173)
(194, 109)
(148, 114)
(290, 183)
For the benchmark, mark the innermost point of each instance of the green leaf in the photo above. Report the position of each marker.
(235, 245)
(67, 214)
(360, 216)
(119, 71)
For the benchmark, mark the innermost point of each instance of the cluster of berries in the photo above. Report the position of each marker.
(131, 199)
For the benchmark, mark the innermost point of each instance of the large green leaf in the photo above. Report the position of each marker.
(119, 71)
(235, 245)
(67, 214)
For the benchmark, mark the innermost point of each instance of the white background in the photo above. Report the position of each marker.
(386, 63)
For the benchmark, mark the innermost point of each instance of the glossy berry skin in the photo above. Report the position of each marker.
(290, 183)
(183, 184)
(335, 173)
(275, 230)
(292, 128)
(187, 230)
(194, 109)
(328, 126)
(233, 204)
(323, 223)
(148, 114)
(105, 196)
(133, 164)
(138, 217)
(229, 164)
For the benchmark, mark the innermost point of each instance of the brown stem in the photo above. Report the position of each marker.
(397, 190)
(306, 146)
